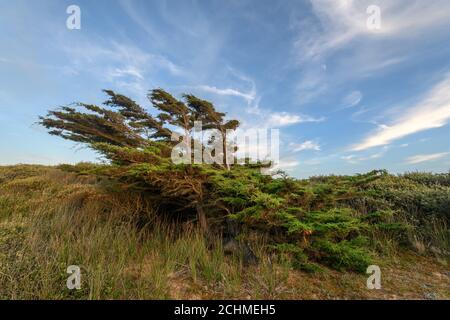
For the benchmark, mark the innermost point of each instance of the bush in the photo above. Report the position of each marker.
(344, 255)
(326, 220)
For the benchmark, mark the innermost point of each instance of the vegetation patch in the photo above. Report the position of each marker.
(337, 221)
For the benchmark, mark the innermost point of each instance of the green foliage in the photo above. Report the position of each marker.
(429, 179)
(344, 255)
(416, 194)
(331, 220)
(296, 257)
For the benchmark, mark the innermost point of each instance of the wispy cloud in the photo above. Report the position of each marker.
(307, 145)
(285, 164)
(265, 117)
(426, 157)
(339, 26)
(129, 58)
(352, 99)
(343, 21)
(352, 158)
(127, 71)
(432, 112)
(281, 119)
(248, 96)
(123, 65)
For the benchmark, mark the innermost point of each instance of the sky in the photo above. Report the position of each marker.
(347, 97)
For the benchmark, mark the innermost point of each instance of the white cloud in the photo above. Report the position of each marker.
(285, 164)
(281, 119)
(349, 157)
(307, 145)
(352, 99)
(343, 21)
(127, 71)
(124, 66)
(288, 164)
(248, 96)
(432, 112)
(338, 25)
(426, 157)
(373, 156)
(352, 158)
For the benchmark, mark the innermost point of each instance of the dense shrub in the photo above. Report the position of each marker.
(429, 179)
(418, 195)
(328, 220)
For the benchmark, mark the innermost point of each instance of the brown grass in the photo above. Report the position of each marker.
(51, 219)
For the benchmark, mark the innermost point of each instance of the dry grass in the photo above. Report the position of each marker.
(51, 219)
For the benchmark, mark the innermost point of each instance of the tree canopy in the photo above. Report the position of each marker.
(139, 145)
(310, 222)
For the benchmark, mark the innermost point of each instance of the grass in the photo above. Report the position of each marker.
(50, 219)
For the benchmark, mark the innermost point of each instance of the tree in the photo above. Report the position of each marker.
(139, 145)
(303, 221)
(212, 119)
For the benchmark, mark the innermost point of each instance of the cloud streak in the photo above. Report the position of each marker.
(307, 145)
(343, 21)
(426, 157)
(352, 99)
(354, 159)
(281, 119)
(337, 35)
(248, 96)
(432, 112)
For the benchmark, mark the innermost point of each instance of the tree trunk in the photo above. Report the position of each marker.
(201, 217)
(225, 151)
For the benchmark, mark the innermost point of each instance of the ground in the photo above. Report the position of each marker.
(50, 219)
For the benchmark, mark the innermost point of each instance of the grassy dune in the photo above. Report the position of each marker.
(50, 219)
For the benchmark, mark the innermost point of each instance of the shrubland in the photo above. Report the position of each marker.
(51, 218)
(139, 222)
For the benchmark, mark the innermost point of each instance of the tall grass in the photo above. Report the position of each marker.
(50, 220)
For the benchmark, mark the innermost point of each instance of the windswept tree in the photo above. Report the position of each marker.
(139, 145)
(303, 222)
(212, 120)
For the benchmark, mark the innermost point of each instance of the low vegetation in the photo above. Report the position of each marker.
(51, 218)
(142, 226)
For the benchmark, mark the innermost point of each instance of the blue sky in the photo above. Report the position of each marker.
(346, 98)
